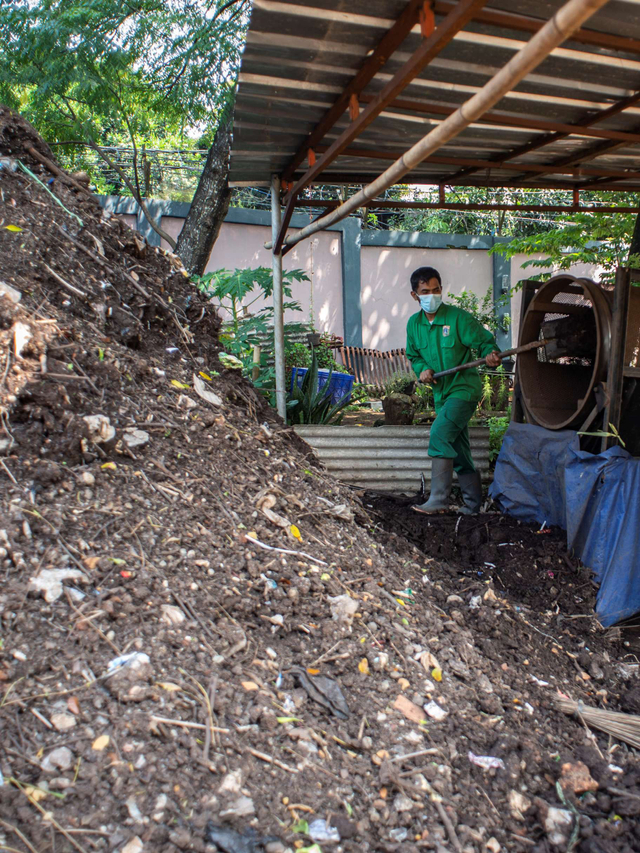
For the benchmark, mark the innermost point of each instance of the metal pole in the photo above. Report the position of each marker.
(566, 20)
(278, 311)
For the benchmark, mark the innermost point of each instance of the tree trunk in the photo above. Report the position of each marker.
(634, 248)
(209, 206)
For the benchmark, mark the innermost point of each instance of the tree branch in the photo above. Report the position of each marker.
(136, 194)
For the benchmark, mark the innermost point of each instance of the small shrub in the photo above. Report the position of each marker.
(401, 383)
(424, 393)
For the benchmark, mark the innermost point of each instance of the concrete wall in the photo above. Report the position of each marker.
(386, 293)
(359, 279)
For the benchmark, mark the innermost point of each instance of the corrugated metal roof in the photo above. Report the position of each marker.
(301, 55)
(385, 458)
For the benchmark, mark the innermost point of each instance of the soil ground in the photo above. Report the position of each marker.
(256, 596)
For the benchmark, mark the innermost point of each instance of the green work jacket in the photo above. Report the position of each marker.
(447, 342)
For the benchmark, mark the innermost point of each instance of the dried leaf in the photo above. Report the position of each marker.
(267, 501)
(169, 686)
(428, 661)
(100, 743)
(276, 519)
(250, 685)
(73, 705)
(323, 690)
(410, 710)
(205, 393)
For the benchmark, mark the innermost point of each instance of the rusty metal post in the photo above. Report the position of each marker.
(615, 373)
(278, 310)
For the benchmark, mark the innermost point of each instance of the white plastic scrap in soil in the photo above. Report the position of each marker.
(134, 438)
(100, 428)
(49, 582)
(487, 762)
(21, 337)
(13, 294)
(435, 711)
(134, 660)
(319, 831)
(343, 609)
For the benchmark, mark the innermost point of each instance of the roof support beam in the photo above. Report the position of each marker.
(560, 27)
(415, 11)
(430, 108)
(479, 165)
(390, 42)
(386, 204)
(585, 121)
(527, 24)
(442, 35)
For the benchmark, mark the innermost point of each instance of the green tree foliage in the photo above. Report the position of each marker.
(101, 73)
(581, 237)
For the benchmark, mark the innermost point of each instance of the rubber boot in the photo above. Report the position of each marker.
(471, 488)
(441, 479)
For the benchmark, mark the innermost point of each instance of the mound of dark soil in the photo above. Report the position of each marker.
(185, 589)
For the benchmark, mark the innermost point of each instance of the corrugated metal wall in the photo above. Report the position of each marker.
(386, 458)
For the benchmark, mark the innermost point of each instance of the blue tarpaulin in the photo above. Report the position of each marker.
(543, 475)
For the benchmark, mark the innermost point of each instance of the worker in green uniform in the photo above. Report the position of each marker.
(440, 336)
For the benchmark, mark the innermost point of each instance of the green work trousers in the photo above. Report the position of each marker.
(449, 437)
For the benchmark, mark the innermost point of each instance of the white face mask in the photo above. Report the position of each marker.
(431, 302)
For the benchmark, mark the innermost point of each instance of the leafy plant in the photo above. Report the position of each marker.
(424, 393)
(306, 404)
(497, 428)
(401, 383)
(485, 310)
(604, 434)
(235, 292)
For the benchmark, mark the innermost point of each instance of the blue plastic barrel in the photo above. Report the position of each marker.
(340, 386)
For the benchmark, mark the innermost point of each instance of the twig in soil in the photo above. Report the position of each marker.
(88, 622)
(489, 800)
(48, 816)
(9, 474)
(42, 718)
(57, 171)
(418, 754)
(20, 835)
(269, 759)
(70, 287)
(444, 817)
(260, 544)
(326, 654)
(82, 373)
(523, 840)
(185, 724)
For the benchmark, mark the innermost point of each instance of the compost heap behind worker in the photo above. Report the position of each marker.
(440, 336)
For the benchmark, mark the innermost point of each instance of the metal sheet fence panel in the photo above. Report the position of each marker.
(386, 458)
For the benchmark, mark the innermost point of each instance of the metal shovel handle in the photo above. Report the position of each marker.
(502, 355)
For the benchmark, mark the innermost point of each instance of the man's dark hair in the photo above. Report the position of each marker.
(424, 274)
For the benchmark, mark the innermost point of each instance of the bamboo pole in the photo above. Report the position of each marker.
(557, 29)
